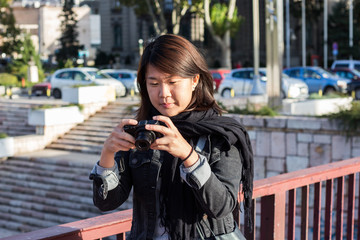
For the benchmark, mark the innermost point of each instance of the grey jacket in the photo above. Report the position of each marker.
(215, 182)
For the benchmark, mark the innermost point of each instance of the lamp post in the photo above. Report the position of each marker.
(287, 25)
(303, 30)
(351, 33)
(325, 34)
(256, 89)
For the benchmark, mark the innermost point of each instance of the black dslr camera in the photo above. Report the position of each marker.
(143, 137)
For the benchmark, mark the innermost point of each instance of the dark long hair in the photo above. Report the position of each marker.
(176, 56)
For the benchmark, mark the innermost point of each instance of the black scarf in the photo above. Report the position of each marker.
(192, 125)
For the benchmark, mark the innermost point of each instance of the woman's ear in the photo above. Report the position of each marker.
(195, 80)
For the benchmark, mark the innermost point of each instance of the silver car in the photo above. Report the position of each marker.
(240, 82)
(125, 76)
(68, 77)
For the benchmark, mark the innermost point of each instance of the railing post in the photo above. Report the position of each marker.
(273, 217)
(304, 212)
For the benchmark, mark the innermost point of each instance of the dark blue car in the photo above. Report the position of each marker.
(318, 78)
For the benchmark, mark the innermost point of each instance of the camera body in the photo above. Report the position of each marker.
(143, 137)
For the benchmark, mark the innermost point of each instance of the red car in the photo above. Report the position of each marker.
(218, 76)
(41, 89)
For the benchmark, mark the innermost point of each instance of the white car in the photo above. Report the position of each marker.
(125, 76)
(68, 77)
(351, 64)
(240, 82)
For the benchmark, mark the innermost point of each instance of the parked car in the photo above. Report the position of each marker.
(82, 76)
(352, 64)
(125, 76)
(241, 81)
(318, 78)
(41, 89)
(352, 74)
(218, 76)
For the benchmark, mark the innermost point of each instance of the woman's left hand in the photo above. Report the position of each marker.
(172, 141)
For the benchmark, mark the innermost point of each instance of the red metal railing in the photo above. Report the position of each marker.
(275, 204)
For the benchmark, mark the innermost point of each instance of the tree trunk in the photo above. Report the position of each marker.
(225, 61)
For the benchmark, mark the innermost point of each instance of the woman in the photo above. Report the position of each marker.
(186, 185)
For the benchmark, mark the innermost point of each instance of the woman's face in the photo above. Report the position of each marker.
(170, 95)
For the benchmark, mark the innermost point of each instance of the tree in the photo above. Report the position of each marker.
(222, 21)
(69, 44)
(10, 36)
(27, 54)
(157, 9)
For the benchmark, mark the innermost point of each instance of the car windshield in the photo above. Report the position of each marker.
(326, 74)
(356, 72)
(98, 75)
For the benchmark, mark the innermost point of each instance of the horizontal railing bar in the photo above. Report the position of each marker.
(300, 178)
(90, 228)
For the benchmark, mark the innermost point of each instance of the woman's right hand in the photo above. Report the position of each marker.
(118, 140)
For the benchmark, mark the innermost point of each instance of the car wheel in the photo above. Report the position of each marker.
(226, 93)
(57, 93)
(357, 94)
(329, 90)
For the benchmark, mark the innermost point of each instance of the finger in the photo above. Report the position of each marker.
(124, 122)
(165, 120)
(123, 136)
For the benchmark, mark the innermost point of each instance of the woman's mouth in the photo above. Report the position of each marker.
(166, 105)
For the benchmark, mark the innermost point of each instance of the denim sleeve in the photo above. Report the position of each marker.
(111, 186)
(110, 178)
(197, 174)
(218, 195)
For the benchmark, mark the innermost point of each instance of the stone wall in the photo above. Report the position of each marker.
(285, 144)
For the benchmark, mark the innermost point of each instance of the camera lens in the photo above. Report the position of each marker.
(144, 139)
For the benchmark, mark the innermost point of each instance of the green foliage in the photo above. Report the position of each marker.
(7, 79)
(69, 63)
(347, 119)
(48, 106)
(10, 34)
(327, 96)
(28, 54)
(68, 40)
(3, 135)
(221, 22)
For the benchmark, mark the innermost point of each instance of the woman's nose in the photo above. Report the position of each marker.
(164, 91)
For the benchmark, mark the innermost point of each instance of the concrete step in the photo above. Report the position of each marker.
(75, 142)
(94, 128)
(82, 138)
(74, 148)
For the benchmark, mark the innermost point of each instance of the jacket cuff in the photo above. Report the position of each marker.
(196, 175)
(109, 176)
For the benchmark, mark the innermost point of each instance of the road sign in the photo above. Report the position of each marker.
(335, 46)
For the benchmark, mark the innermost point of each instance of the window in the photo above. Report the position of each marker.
(311, 74)
(117, 36)
(294, 73)
(357, 67)
(241, 74)
(216, 75)
(79, 76)
(64, 75)
(341, 65)
(125, 75)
